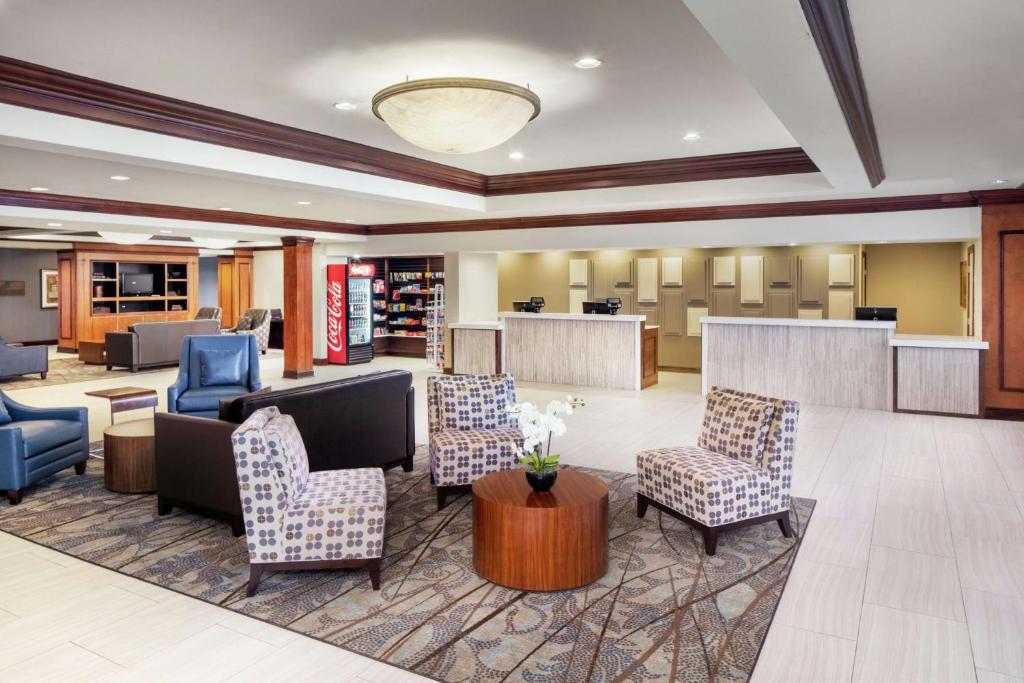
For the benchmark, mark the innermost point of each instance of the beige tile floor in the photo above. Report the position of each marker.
(912, 568)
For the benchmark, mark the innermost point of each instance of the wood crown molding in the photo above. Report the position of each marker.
(829, 21)
(39, 200)
(295, 241)
(767, 162)
(37, 87)
(686, 214)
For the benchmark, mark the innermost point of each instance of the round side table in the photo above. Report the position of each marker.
(540, 541)
(128, 462)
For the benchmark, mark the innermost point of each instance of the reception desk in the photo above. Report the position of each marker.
(603, 351)
(477, 348)
(845, 363)
(938, 375)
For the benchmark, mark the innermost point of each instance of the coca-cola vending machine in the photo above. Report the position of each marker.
(349, 326)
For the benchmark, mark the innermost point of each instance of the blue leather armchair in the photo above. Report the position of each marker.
(37, 442)
(211, 368)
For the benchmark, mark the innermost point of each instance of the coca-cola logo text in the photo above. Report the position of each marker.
(335, 310)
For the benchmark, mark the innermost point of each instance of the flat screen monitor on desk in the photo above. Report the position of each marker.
(597, 307)
(887, 313)
(532, 306)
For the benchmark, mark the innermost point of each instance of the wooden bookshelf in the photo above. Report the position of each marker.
(91, 302)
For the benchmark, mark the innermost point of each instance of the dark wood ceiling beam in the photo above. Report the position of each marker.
(39, 200)
(829, 21)
(38, 87)
(770, 162)
(687, 214)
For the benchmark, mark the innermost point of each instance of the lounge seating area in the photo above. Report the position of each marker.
(512, 342)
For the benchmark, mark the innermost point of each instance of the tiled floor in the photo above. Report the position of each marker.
(912, 568)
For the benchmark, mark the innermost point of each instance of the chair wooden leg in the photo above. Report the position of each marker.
(442, 498)
(255, 572)
(42, 375)
(14, 497)
(787, 530)
(710, 541)
(163, 507)
(641, 505)
(80, 467)
(237, 527)
(373, 567)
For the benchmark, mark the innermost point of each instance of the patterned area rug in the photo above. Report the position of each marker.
(66, 371)
(663, 612)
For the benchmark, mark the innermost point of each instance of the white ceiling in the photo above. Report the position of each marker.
(288, 62)
(945, 87)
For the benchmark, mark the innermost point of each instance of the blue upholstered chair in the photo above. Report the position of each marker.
(211, 368)
(37, 442)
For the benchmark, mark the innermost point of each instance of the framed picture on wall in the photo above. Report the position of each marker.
(47, 288)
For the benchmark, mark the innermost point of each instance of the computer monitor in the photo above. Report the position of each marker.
(614, 304)
(532, 306)
(520, 306)
(596, 308)
(887, 313)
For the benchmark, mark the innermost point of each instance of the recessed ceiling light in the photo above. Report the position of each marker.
(166, 232)
(883, 241)
(349, 220)
(54, 225)
(303, 203)
(39, 188)
(587, 63)
(516, 156)
(344, 106)
(120, 177)
(792, 244)
(224, 208)
(691, 136)
(998, 181)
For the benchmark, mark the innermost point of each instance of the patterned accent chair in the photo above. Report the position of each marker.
(255, 321)
(300, 520)
(471, 431)
(38, 442)
(740, 473)
(209, 313)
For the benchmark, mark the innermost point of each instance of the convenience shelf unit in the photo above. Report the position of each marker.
(94, 300)
(401, 303)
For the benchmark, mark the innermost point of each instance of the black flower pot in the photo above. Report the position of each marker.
(541, 482)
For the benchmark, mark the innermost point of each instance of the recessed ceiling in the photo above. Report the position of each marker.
(661, 76)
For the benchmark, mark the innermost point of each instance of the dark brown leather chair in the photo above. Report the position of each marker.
(364, 421)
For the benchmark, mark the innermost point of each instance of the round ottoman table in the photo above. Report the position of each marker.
(540, 541)
(128, 462)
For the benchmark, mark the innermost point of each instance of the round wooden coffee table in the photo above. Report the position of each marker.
(540, 541)
(128, 462)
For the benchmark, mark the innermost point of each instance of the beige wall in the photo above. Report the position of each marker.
(268, 279)
(546, 274)
(922, 281)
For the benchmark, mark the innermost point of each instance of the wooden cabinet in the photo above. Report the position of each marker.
(695, 275)
(812, 279)
(234, 285)
(90, 300)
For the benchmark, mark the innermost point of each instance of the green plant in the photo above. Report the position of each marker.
(535, 462)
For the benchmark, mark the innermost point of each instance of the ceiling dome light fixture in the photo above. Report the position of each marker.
(125, 237)
(214, 243)
(456, 115)
(587, 63)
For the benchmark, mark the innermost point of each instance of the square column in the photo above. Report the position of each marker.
(298, 307)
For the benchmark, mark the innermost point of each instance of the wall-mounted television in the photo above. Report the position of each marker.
(136, 284)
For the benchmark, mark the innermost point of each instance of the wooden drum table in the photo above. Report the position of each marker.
(128, 462)
(540, 541)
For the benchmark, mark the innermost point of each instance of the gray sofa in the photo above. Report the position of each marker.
(148, 345)
(22, 360)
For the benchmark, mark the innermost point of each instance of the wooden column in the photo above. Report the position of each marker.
(234, 285)
(298, 307)
(1002, 292)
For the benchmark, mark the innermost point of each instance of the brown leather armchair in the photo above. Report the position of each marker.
(365, 421)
